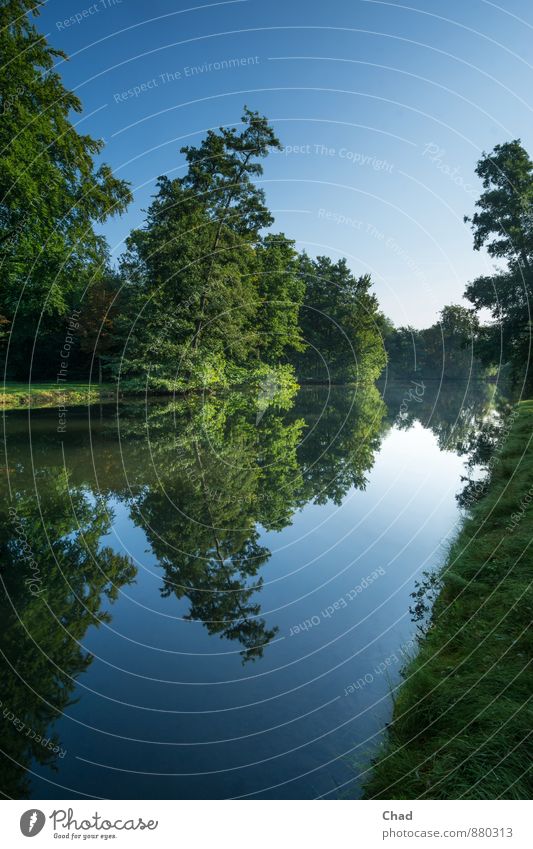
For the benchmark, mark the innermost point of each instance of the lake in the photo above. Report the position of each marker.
(210, 598)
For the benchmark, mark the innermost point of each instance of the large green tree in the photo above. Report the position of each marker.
(341, 323)
(503, 223)
(203, 289)
(51, 191)
(281, 292)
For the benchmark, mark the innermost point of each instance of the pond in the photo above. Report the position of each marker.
(210, 598)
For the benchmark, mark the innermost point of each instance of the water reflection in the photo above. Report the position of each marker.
(452, 410)
(55, 576)
(204, 479)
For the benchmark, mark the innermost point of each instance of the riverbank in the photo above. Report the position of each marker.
(462, 717)
(272, 384)
(18, 396)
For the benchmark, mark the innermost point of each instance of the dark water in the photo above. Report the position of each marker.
(208, 599)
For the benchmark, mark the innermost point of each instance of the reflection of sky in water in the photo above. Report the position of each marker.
(397, 524)
(173, 709)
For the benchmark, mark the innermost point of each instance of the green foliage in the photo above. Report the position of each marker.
(341, 324)
(281, 293)
(203, 293)
(253, 312)
(210, 295)
(450, 349)
(203, 290)
(51, 191)
(193, 270)
(504, 225)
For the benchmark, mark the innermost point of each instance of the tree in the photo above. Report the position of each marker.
(456, 320)
(220, 172)
(450, 346)
(193, 266)
(504, 225)
(100, 310)
(165, 276)
(281, 292)
(203, 523)
(341, 323)
(449, 349)
(51, 192)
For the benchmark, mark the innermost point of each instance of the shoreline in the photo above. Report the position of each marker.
(451, 734)
(48, 395)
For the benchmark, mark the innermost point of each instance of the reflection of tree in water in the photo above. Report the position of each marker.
(201, 509)
(451, 410)
(55, 578)
(201, 523)
(203, 476)
(224, 473)
(467, 418)
(342, 440)
(480, 446)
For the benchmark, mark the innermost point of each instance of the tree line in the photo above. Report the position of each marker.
(461, 344)
(449, 349)
(205, 292)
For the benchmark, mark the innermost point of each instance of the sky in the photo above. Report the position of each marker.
(382, 108)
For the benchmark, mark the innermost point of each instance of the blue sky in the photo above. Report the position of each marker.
(383, 109)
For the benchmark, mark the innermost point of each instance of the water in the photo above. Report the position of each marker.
(207, 601)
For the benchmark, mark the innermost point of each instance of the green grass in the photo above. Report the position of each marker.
(15, 396)
(46, 394)
(462, 720)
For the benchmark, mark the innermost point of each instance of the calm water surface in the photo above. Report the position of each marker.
(210, 599)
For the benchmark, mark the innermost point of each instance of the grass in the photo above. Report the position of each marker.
(14, 396)
(462, 721)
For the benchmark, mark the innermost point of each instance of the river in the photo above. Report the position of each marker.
(210, 598)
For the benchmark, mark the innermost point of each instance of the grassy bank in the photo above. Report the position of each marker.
(462, 718)
(16, 396)
(271, 384)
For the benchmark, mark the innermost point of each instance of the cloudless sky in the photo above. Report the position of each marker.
(383, 109)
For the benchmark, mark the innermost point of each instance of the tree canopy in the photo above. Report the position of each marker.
(51, 191)
(206, 293)
(504, 225)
